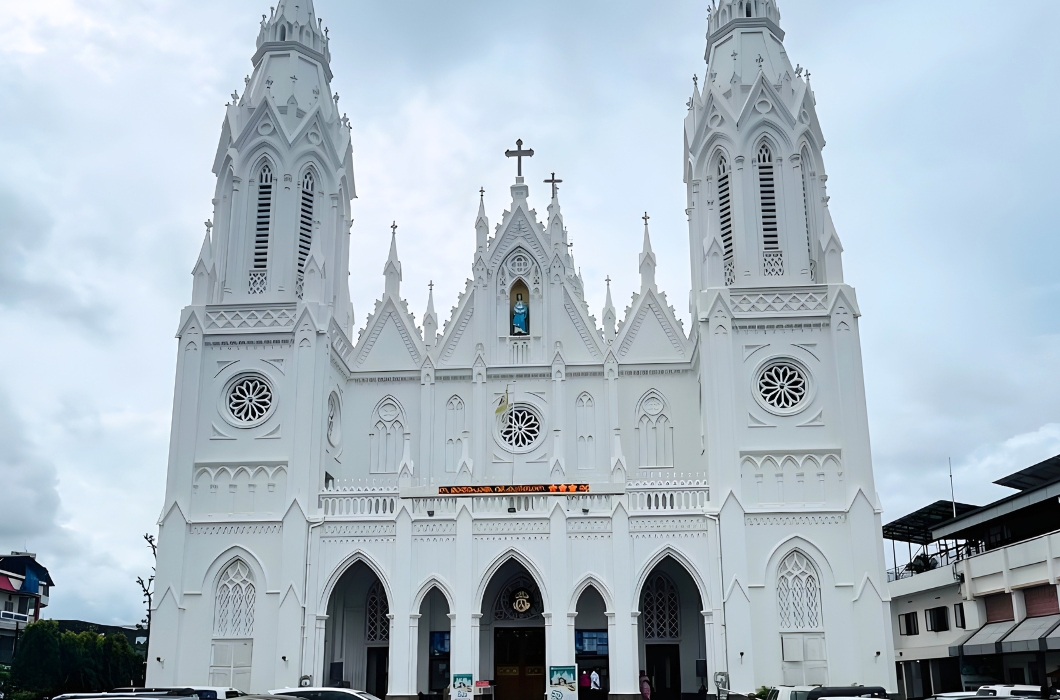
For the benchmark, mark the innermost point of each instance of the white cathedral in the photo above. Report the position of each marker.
(522, 486)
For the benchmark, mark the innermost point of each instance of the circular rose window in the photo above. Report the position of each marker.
(249, 399)
(783, 386)
(520, 427)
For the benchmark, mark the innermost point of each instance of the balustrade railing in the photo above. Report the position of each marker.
(340, 499)
(672, 492)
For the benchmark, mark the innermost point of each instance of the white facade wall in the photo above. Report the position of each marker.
(765, 517)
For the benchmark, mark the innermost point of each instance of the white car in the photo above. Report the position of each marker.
(1013, 691)
(318, 693)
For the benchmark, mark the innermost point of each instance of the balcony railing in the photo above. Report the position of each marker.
(675, 492)
(936, 555)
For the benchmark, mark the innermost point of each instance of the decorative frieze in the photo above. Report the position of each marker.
(250, 319)
(237, 529)
(796, 520)
(589, 525)
(688, 523)
(360, 529)
(780, 302)
(503, 526)
(427, 529)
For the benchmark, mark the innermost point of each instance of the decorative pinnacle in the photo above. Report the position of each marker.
(553, 181)
(481, 192)
(209, 226)
(608, 280)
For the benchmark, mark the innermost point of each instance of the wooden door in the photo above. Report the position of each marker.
(519, 663)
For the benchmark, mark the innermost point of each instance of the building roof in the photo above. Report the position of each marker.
(1000, 508)
(1040, 474)
(21, 564)
(917, 526)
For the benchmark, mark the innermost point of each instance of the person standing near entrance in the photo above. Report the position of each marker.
(583, 686)
(645, 686)
(594, 685)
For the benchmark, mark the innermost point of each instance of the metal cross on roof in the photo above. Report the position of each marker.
(481, 192)
(430, 285)
(518, 154)
(645, 217)
(553, 181)
(393, 228)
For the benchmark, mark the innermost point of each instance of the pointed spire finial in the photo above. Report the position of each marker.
(481, 192)
(519, 153)
(647, 260)
(393, 228)
(209, 226)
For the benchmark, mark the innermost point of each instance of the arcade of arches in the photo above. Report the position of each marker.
(512, 649)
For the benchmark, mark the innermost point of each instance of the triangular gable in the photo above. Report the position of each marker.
(522, 230)
(653, 334)
(762, 91)
(389, 341)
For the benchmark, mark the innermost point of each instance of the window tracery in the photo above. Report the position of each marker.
(334, 420)
(454, 428)
(387, 435)
(305, 228)
(520, 599)
(798, 593)
(725, 218)
(655, 436)
(234, 602)
(661, 608)
(258, 281)
(376, 614)
(772, 257)
(585, 417)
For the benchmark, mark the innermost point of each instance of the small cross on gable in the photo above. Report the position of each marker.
(519, 153)
(553, 181)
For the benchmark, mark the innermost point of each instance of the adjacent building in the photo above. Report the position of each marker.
(977, 601)
(521, 485)
(24, 587)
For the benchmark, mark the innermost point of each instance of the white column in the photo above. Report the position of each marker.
(476, 651)
(414, 653)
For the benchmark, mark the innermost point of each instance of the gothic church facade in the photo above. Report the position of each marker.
(519, 485)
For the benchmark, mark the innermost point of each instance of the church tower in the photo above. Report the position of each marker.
(784, 419)
(252, 422)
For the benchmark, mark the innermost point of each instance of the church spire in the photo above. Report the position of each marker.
(557, 233)
(647, 261)
(609, 317)
(392, 269)
(430, 319)
(295, 22)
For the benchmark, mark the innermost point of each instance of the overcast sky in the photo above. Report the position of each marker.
(942, 160)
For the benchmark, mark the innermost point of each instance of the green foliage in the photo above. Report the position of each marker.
(762, 693)
(48, 662)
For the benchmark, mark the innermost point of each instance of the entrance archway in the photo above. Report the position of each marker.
(357, 633)
(512, 629)
(591, 645)
(432, 668)
(671, 633)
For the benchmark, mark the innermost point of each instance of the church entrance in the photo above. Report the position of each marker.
(672, 636)
(664, 670)
(512, 635)
(357, 633)
(519, 663)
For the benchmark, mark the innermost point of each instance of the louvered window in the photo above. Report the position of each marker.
(262, 223)
(806, 213)
(305, 228)
(725, 217)
(772, 258)
(1041, 601)
(999, 607)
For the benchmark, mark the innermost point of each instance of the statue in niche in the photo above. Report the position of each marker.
(520, 310)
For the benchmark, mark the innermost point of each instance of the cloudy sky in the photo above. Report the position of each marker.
(942, 160)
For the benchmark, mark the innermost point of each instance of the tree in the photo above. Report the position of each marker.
(147, 587)
(37, 664)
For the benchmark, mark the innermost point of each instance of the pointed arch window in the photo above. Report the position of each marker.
(805, 165)
(259, 265)
(234, 602)
(772, 258)
(386, 439)
(454, 428)
(376, 615)
(585, 415)
(661, 608)
(655, 433)
(305, 228)
(725, 218)
(798, 593)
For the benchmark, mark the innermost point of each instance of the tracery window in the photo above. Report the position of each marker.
(661, 608)
(520, 599)
(234, 602)
(798, 593)
(454, 428)
(258, 282)
(725, 218)
(655, 433)
(772, 258)
(376, 615)
(387, 436)
(334, 420)
(585, 417)
(305, 228)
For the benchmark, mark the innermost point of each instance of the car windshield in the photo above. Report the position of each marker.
(799, 694)
(366, 696)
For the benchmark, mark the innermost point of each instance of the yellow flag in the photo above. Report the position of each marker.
(504, 403)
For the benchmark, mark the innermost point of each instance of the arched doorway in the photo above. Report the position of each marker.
(432, 669)
(672, 636)
(357, 633)
(512, 629)
(591, 645)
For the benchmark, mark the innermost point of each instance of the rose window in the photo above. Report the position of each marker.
(520, 427)
(783, 385)
(519, 264)
(250, 399)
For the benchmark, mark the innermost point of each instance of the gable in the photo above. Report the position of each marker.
(388, 345)
(459, 347)
(575, 326)
(651, 336)
(518, 231)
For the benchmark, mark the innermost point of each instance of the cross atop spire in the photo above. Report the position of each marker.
(519, 153)
(553, 181)
(393, 228)
(645, 217)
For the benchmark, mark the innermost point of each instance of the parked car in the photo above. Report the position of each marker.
(817, 692)
(961, 695)
(1011, 690)
(318, 693)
